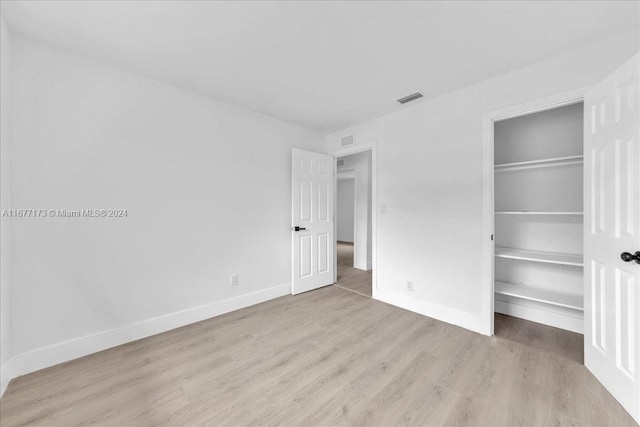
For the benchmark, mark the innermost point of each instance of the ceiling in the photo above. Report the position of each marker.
(321, 65)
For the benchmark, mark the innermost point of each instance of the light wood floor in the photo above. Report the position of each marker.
(327, 357)
(351, 278)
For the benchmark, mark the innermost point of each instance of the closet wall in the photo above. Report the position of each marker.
(538, 186)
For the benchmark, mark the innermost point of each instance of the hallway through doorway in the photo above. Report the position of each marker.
(350, 278)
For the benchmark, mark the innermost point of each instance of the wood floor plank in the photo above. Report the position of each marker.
(327, 357)
(350, 278)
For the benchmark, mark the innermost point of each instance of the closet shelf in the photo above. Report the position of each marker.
(537, 213)
(544, 163)
(540, 295)
(545, 257)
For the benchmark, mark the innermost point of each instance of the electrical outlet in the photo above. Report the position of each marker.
(409, 285)
(234, 280)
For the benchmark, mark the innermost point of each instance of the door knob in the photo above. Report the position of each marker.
(627, 257)
(296, 228)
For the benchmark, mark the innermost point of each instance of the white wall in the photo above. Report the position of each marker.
(360, 164)
(345, 209)
(5, 199)
(551, 133)
(429, 182)
(207, 187)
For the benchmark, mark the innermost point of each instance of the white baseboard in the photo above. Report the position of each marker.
(564, 319)
(5, 376)
(65, 351)
(445, 314)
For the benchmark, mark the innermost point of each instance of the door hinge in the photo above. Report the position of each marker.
(492, 237)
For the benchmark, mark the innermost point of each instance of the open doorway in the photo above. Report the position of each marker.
(537, 189)
(354, 223)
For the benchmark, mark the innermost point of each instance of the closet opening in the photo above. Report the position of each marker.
(538, 223)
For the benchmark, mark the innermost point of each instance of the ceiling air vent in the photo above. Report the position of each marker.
(410, 98)
(347, 141)
(340, 162)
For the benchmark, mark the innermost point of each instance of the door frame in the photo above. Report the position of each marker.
(488, 246)
(360, 148)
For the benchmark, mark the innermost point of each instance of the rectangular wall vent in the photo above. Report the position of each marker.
(410, 98)
(347, 141)
(340, 162)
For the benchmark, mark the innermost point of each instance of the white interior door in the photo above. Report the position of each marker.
(312, 220)
(612, 227)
